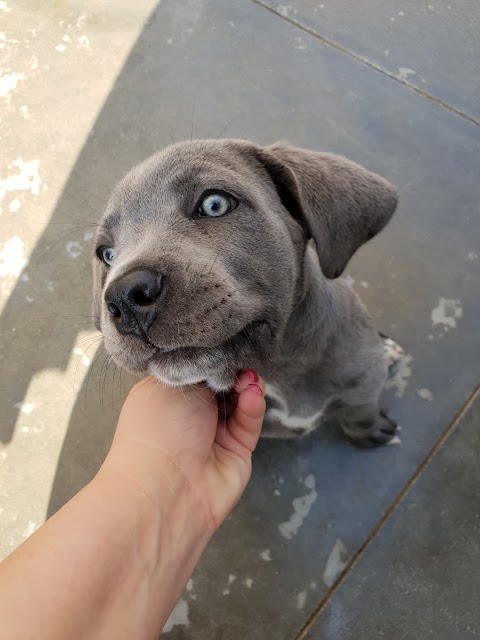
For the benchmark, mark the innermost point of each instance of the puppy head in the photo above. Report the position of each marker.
(200, 251)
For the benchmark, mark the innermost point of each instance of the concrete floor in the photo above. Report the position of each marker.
(387, 540)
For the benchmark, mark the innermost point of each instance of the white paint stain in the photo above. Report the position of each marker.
(301, 509)
(12, 260)
(4, 6)
(15, 205)
(403, 371)
(284, 10)
(84, 41)
(29, 299)
(281, 480)
(447, 312)
(84, 358)
(9, 82)
(178, 617)
(265, 555)
(30, 528)
(335, 563)
(404, 72)
(60, 48)
(26, 179)
(231, 580)
(50, 285)
(249, 583)
(364, 284)
(301, 599)
(25, 407)
(395, 440)
(74, 248)
(88, 236)
(425, 394)
(81, 21)
(277, 493)
(472, 255)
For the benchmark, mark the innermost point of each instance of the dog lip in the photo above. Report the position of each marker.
(190, 350)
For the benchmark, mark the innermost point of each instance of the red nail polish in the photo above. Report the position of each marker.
(252, 374)
(257, 389)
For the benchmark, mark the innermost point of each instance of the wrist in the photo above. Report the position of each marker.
(166, 527)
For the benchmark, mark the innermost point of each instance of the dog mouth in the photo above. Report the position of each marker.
(253, 332)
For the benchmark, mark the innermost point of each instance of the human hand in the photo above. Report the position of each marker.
(175, 439)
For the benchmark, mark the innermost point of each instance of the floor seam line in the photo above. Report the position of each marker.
(368, 63)
(305, 628)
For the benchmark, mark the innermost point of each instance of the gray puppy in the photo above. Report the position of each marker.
(214, 256)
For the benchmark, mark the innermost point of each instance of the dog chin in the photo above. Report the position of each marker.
(189, 374)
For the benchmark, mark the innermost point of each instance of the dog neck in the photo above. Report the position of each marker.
(312, 321)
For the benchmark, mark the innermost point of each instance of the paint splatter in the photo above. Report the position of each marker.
(26, 179)
(447, 312)
(301, 509)
(301, 599)
(4, 6)
(265, 555)
(12, 259)
(60, 48)
(284, 10)
(395, 440)
(403, 73)
(25, 407)
(74, 248)
(178, 617)
(472, 255)
(425, 394)
(335, 563)
(399, 380)
(30, 528)
(9, 82)
(249, 583)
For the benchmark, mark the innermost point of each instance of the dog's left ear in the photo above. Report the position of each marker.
(340, 204)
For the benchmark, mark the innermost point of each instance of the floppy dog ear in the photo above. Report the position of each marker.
(340, 204)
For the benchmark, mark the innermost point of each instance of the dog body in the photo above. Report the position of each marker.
(214, 256)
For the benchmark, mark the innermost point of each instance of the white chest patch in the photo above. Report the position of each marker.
(282, 415)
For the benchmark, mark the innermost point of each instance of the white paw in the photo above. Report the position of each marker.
(392, 351)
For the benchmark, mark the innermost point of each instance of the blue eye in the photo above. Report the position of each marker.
(106, 254)
(216, 205)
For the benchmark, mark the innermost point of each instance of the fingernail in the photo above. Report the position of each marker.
(252, 374)
(256, 388)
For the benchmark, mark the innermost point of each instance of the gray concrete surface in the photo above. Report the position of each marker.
(87, 91)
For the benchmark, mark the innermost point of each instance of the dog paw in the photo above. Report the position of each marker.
(384, 431)
(392, 351)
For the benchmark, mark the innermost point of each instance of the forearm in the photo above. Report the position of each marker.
(111, 564)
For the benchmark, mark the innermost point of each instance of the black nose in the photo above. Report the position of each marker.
(133, 301)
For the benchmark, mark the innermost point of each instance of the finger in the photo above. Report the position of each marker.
(244, 378)
(245, 423)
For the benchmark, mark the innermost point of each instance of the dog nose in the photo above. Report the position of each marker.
(133, 301)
